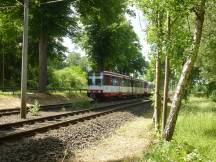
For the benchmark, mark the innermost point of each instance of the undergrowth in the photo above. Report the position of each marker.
(173, 151)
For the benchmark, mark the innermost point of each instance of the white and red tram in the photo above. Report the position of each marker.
(109, 84)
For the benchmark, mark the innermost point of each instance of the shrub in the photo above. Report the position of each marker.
(34, 110)
(69, 77)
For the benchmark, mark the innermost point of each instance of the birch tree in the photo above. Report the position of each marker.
(199, 11)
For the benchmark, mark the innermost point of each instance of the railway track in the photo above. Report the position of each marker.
(15, 111)
(25, 128)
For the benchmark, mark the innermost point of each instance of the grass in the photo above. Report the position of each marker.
(197, 126)
(195, 135)
(6, 94)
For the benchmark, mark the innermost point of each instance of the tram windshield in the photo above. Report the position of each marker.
(94, 82)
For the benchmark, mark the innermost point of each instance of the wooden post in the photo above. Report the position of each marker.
(24, 61)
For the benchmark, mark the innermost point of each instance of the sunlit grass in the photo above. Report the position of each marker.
(197, 126)
(194, 138)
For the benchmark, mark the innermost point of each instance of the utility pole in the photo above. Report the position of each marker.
(3, 67)
(24, 61)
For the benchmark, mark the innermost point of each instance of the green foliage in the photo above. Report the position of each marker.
(175, 43)
(109, 39)
(10, 36)
(56, 20)
(115, 48)
(74, 59)
(34, 110)
(207, 59)
(72, 77)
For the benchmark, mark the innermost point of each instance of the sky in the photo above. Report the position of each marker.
(139, 24)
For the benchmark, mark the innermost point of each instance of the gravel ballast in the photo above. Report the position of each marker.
(55, 145)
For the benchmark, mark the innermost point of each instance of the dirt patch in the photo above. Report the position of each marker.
(9, 102)
(128, 142)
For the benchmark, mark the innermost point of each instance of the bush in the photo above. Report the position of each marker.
(72, 77)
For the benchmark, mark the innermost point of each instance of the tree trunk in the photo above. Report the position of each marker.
(166, 77)
(166, 90)
(157, 108)
(43, 44)
(186, 71)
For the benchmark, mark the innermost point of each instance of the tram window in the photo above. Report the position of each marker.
(134, 83)
(122, 82)
(145, 84)
(98, 82)
(129, 83)
(106, 80)
(125, 83)
(115, 81)
(90, 82)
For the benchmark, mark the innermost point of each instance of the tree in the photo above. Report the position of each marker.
(166, 76)
(109, 39)
(10, 37)
(50, 22)
(207, 59)
(74, 59)
(154, 10)
(11, 27)
(186, 71)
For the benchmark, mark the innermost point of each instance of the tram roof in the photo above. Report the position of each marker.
(121, 75)
(110, 73)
